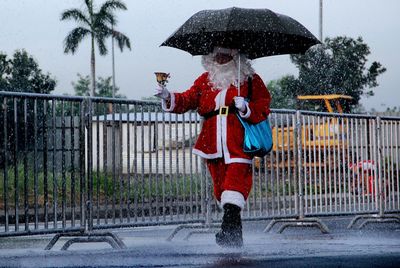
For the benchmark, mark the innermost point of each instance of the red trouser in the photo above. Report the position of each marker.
(233, 177)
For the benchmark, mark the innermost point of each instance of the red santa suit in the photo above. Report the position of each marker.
(221, 138)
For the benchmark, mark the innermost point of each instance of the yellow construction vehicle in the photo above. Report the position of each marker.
(317, 133)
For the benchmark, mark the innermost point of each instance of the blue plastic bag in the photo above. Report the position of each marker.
(257, 137)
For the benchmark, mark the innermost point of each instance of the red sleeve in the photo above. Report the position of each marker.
(189, 99)
(260, 101)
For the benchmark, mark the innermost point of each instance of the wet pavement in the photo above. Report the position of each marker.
(377, 245)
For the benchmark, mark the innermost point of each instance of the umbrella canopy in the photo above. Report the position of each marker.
(255, 32)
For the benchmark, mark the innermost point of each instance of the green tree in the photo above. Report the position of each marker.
(21, 73)
(281, 92)
(339, 66)
(98, 25)
(104, 87)
(22, 119)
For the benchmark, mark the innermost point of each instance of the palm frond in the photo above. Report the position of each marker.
(73, 39)
(106, 10)
(112, 5)
(89, 6)
(75, 14)
(102, 46)
(101, 30)
(122, 40)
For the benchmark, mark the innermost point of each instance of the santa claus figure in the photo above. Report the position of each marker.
(220, 95)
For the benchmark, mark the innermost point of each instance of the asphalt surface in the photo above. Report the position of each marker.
(377, 245)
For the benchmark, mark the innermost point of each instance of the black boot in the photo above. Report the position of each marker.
(230, 234)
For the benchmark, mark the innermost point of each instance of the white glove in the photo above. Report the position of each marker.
(162, 93)
(240, 104)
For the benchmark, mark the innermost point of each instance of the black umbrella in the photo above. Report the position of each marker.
(255, 32)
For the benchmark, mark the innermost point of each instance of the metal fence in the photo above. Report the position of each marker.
(73, 163)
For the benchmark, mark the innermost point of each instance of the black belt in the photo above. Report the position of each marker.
(223, 111)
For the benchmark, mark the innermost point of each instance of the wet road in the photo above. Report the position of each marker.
(374, 246)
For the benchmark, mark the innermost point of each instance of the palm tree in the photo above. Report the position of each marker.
(98, 25)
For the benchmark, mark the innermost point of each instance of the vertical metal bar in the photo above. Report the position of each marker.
(121, 182)
(106, 146)
(135, 157)
(397, 148)
(142, 160)
(273, 164)
(177, 167)
(198, 173)
(366, 158)
(98, 176)
(35, 166)
(334, 138)
(289, 166)
(356, 162)
(82, 153)
(26, 202)
(114, 179)
(183, 167)
(5, 170)
(343, 141)
(319, 163)
(191, 164)
(63, 171)
(385, 160)
(391, 188)
(353, 160)
(329, 165)
(163, 167)
(340, 153)
(72, 168)
(198, 165)
(315, 166)
(170, 167)
(283, 170)
(380, 161)
(89, 201)
(327, 160)
(157, 162)
(45, 167)
(55, 188)
(349, 159)
(307, 162)
(376, 169)
(150, 174)
(276, 172)
(128, 164)
(16, 175)
(362, 159)
(297, 135)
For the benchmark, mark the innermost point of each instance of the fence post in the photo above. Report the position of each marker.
(89, 152)
(300, 177)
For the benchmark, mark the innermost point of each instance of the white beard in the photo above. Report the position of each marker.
(223, 75)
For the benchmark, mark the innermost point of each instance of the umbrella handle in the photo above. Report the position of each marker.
(239, 75)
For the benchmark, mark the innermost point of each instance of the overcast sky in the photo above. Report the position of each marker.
(36, 27)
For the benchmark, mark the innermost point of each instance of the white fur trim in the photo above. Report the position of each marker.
(238, 160)
(206, 156)
(172, 103)
(218, 101)
(219, 147)
(232, 197)
(247, 114)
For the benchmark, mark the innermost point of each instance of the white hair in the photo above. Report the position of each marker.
(223, 75)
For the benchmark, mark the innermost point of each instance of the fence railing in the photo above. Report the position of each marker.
(74, 163)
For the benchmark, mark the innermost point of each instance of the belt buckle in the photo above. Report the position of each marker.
(223, 110)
